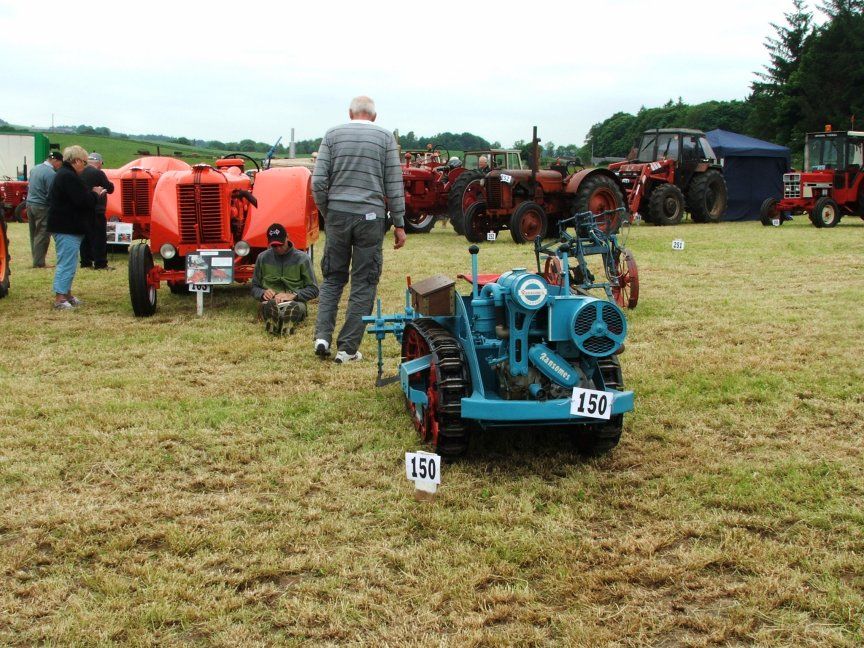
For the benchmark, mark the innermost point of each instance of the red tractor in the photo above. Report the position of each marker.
(467, 187)
(427, 175)
(670, 169)
(13, 197)
(832, 185)
(529, 201)
(218, 208)
(134, 185)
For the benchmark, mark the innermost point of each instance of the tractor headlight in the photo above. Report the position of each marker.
(241, 248)
(167, 251)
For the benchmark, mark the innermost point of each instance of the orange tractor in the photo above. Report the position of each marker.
(209, 208)
(4, 260)
(529, 202)
(669, 170)
(135, 183)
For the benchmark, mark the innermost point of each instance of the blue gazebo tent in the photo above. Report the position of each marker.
(753, 170)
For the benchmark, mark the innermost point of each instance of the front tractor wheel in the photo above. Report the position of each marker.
(826, 213)
(666, 205)
(444, 383)
(597, 194)
(768, 212)
(476, 223)
(528, 222)
(141, 292)
(626, 293)
(707, 197)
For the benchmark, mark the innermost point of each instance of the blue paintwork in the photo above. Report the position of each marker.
(509, 411)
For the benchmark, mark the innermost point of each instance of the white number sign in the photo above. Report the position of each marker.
(591, 403)
(424, 469)
(506, 178)
(677, 244)
(775, 222)
(491, 236)
(204, 288)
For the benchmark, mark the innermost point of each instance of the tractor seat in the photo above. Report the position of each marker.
(482, 279)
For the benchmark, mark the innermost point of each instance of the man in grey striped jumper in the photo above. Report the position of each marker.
(357, 179)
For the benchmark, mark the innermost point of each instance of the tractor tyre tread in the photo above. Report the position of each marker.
(140, 263)
(699, 197)
(454, 199)
(657, 200)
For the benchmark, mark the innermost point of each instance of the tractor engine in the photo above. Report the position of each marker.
(539, 346)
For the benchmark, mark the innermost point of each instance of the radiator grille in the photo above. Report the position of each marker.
(493, 193)
(200, 207)
(135, 197)
(791, 185)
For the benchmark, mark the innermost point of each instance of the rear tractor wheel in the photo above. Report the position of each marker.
(707, 197)
(666, 205)
(599, 193)
(141, 292)
(528, 222)
(826, 213)
(444, 383)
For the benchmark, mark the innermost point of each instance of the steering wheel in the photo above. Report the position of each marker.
(243, 155)
(434, 148)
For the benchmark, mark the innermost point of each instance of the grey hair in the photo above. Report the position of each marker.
(362, 104)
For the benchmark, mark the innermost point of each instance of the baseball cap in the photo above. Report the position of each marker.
(276, 234)
(95, 157)
(56, 155)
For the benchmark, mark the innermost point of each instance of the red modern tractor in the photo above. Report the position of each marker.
(830, 187)
(13, 197)
(218, 208)
(670, 169)
(134, 185)
(529, 201)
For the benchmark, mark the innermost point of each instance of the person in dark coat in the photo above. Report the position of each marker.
(70, 210)
(94, 249)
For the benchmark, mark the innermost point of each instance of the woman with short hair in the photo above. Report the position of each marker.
(71, 206)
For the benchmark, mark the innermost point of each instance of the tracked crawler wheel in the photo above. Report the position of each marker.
(626, 293)
(600, 438)
(445, 382)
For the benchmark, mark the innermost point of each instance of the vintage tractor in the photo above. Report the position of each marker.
(218, 208)
(134, 185)
(467, 187)
(13, 200)
(4, 260)
(427, 175)
(830, 187)
(516, 352)
(530, 201)
(670, 169)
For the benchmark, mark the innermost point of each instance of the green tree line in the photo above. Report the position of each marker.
(814, 76)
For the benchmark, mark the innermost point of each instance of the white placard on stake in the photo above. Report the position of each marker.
(678, 244)
(424, 469)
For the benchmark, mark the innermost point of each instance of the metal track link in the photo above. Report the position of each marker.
(453, 383)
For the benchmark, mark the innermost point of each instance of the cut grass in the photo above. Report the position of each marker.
(176, 480)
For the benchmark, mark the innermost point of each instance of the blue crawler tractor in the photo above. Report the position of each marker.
(514, 352)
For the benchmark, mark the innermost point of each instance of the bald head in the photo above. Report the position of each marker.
(362, 107)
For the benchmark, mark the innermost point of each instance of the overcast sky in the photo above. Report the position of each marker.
(231, 71)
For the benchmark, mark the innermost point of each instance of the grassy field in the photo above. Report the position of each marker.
(177, 481)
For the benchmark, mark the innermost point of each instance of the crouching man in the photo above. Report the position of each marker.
(283, 282)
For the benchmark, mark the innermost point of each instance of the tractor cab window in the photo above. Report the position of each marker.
(824, 153)
(513, 161)
(690, 148)
(471, 160)
(856, 153)
(667, 146)
(707, 152)
(646, 149)
(499, 161)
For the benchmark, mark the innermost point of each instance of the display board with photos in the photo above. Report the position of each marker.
(210, 267)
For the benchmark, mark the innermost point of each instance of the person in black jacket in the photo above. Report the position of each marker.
(70, 209)
(94, 249)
